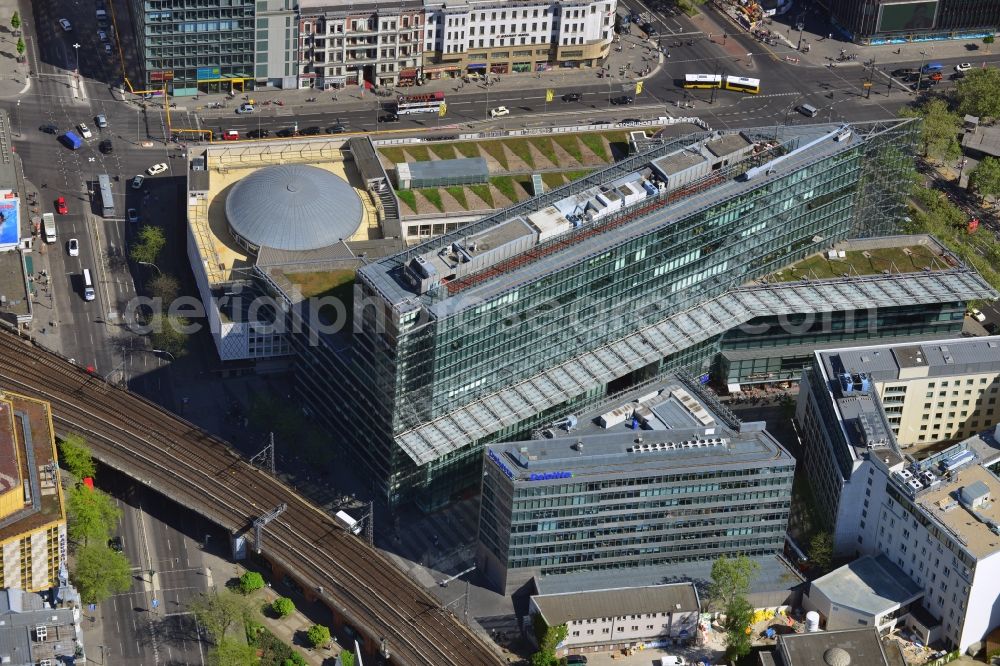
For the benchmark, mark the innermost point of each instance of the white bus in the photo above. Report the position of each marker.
(428, 103)
(702, 80)
(743, 84)
(88, 286)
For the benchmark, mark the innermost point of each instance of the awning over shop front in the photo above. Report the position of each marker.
(441, 69)
(476, 65)
(408, 73)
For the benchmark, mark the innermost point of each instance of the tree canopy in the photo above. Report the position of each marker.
(821, 550)
(15, 22)
(148, 245)
(318, 635)
(218, 612)
(939, 130)
(985, 180)
(739, 619)
(283, 606)
(548, 639)
(167, 332)
(100, 572)
(229, 652)
(92, 516)
(731, 579)
(165, 287)
(977, 93)
(76, 456)
(250, 581)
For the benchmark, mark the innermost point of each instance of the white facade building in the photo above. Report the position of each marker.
(477, 37)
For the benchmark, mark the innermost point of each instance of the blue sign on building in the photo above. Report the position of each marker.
(548, 476)
(503, 467)
(206, 73)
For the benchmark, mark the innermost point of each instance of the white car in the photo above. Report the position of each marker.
(101, 35)
(977, 315)
(73, 247)
(963, 67)
(133, 215)
(66, 25)
(84, 131)
(671, 660)
(137, 181)
(157, 169)
(499, 111)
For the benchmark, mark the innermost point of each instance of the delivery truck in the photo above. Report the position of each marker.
(49, 227)
(72, 140)
(347, 522)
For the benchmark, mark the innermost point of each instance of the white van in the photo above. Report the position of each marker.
(88, 286)
(808, 110)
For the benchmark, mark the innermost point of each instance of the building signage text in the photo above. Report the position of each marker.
(508, 472)
(548, 476)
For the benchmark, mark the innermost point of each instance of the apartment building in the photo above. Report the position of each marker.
(481, 37)
(32, 518)
(347, 44)
(647, 480)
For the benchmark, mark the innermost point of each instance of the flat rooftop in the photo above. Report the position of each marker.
(894, 255)
(25, 424)
(942, 503)
(865, 647)
(803, 144)
(222, 258)
(673, 598)
(940, 358)
(665, 429)
(871, 585)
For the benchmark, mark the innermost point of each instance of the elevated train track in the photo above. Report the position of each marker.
(361, 586)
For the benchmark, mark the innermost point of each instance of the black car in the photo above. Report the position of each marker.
(388, 117)
(285, 132)
(572, 97)
(106, 147)
(906, 71)
(49, 128)
(956, 76)
(116, 544)
(630, 121)
(648, 28)
(623, 100)
(258, 134)
(311, 131)
(991, 328)
(337, 129)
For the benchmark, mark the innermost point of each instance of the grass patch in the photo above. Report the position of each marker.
(571, 144)
(495, 150)
(409, 198)
(893, 259)
(545, 147)
(553, 179)
(577, 175)
(444, 151)
(596, 144)
(468, 148)
(522, 148)
(458, 192)
(618, 142)
(485, 193)
(321, 283)
(434, 196)
(418, 153)
(394, 155)
(506, 186)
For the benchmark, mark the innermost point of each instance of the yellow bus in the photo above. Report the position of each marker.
(702, 81)
(743, 84)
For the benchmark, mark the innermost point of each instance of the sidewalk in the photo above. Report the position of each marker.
(13, 74)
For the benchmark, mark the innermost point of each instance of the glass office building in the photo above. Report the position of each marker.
(656, 480)
(552, 305)
(885, 22)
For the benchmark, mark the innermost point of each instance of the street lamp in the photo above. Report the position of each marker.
(149, 263)
(164, 351)
(920, 73)
(76, 47)
(801, 26)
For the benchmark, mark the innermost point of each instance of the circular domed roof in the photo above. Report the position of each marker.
(293, 207)
(836, 656)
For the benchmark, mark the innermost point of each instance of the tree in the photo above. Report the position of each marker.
(283, 606)
(15, 22)
(977, 93)
(731, 579)
(76, 456)
(250, 581)
(165, 287)
(21, 48)
(346, 658)
(318, 635)
(218, 612)
(939, 130)
(92, 516)
(167, 333)
(985, 180)
(821, 550)
(230, 653)
(548, 639)
(148, 245)
(988, 40)
(100, 572)
(739, 618)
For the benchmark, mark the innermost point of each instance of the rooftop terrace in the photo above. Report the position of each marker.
(797, 147)
(846, 260)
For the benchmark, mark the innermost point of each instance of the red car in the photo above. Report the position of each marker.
(61, 206)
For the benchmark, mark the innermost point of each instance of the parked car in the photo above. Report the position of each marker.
(231, 135)
(285, 132)
(672, 660)
(61, 206)
(991, 328)
(388, 117)
(311, 131)
(957, 76)
(84, 131)
(102, 120)
(499, 112)
(101, 35)
(337, 129)
(106, 147)
(576, 659)
(157, 169)
(116, 544)
(66, 25)
(133, 215)
(73, 247)
(963, 67)
(137, 181)
(258, 134)
(976, 314)
(108, 50)
(572, 97)
(623, 100)
(245, 108)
